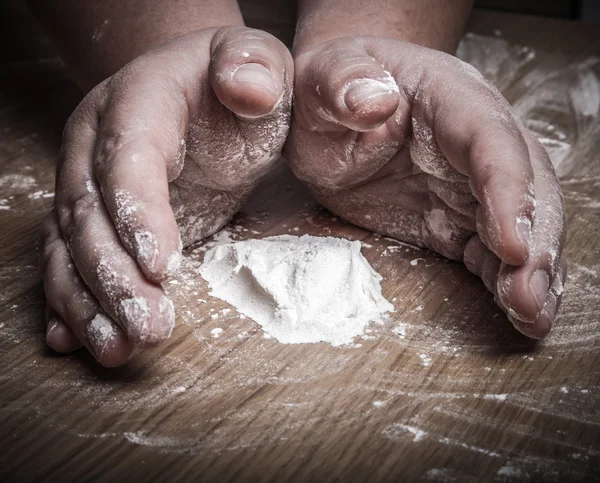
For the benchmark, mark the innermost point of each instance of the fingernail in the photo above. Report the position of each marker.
(52, 325)
(523, 229)
(100, 331)
(146, 248)
(257, 76)
(135, 315)
(363, 92)
(539, 285)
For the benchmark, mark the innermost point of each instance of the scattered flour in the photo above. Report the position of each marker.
(400, 330)
(101, 331)
(439, 474)
(16, 182)
(396, 432)
(299, 289)
(221, 238)
(509, 472)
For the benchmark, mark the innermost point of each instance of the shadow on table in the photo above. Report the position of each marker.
(476, 322)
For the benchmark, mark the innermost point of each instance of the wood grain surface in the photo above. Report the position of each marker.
(445, 390)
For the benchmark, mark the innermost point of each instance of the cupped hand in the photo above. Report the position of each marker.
(159, 155)
(415, 144)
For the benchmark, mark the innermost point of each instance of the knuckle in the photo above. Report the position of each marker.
(52, 244)
(49, 227)
(72, 215)
(51, 239)
(82, 207)
(64, 218)
(469, 70)
(85, 115)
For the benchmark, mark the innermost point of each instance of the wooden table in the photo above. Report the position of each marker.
(446, 390)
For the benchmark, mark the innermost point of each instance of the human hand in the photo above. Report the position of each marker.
(178, 137)
(415, 144)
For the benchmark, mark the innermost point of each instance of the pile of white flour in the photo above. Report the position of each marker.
(299, 289)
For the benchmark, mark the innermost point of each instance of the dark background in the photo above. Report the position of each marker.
(16, 22)
(572, 9)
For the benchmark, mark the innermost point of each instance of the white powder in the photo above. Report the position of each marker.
(509, 472)
(101, 330)
(299, 289)
(16, 182)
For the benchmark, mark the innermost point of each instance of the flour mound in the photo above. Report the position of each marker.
(299, 289)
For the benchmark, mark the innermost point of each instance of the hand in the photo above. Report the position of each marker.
(414, 144)
(179, 136)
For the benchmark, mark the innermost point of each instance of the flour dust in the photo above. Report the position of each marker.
(299, 289)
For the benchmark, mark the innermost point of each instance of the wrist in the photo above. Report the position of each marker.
(408, 20)
(97, 38)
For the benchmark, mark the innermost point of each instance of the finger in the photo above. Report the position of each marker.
(140, 307)
(250, 71)
(457, 196)
(481, 261)
(348, 117)
(115, 279)
(342, 86)
(59, 336)
(549, 311)
(476, 131)
(139, 145)
(531, 292)
(74, 314)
